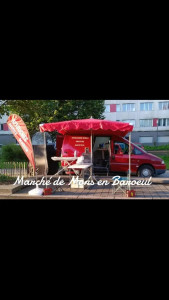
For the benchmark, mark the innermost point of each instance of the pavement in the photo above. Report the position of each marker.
(152, 192)
(165, 175)
(158, 190)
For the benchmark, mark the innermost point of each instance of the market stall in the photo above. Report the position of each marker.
(89, 127)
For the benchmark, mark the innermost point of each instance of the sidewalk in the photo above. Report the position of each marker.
(153, 192)
(158, 190)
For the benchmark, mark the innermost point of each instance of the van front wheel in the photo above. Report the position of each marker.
(146, 171)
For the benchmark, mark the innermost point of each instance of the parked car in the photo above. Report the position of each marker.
(143, 164)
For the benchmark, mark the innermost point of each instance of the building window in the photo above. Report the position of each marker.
(163, 139)
(164, 105)
(133, 122)
(163, 122)
(118, 107)
(146, 106)
(129, 107)
(107, 108)
(146, 139)
(146, 123)
(1, 126)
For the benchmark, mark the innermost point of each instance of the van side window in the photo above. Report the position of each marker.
(124, 147)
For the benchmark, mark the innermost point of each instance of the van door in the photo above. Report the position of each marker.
(119, 161)
(120, 158)
(136, 158)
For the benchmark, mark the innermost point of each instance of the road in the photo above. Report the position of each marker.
(165, 175)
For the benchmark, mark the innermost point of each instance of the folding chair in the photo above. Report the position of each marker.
(120, 187)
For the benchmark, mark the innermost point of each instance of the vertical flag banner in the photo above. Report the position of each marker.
(20, 132)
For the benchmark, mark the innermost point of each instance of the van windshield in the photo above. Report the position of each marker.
(136, 146)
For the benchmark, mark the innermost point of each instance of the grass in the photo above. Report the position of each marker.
(11, 165)
(166, 160)
(149, 148)
(6, 180)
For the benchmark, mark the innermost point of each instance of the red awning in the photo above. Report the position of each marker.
(86, 126)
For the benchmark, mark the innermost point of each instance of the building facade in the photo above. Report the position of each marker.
(6, 136)
(150, 119)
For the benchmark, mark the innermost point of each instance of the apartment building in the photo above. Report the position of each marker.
(6, 136)
(150, 119)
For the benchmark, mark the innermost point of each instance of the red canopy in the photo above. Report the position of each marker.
(86, 126)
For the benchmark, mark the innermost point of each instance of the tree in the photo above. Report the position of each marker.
(35, 112)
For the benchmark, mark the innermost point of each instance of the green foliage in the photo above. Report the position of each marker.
(166, 160)
(6, 179)
(13, 153)
(13, 164)
(149, 148)
(35, 112)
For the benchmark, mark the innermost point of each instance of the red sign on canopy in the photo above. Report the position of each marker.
(20, 132)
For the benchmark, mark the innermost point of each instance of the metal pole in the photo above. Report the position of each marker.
(34, 170)
(129, 160)
(91, 147)
(46, 158)
(157, 133)
(91, 170)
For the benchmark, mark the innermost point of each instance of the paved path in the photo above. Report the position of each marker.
(153, 192)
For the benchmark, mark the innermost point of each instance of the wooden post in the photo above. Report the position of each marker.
(24, 168)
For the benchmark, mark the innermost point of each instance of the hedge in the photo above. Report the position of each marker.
(12, 152)
(149, 148)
